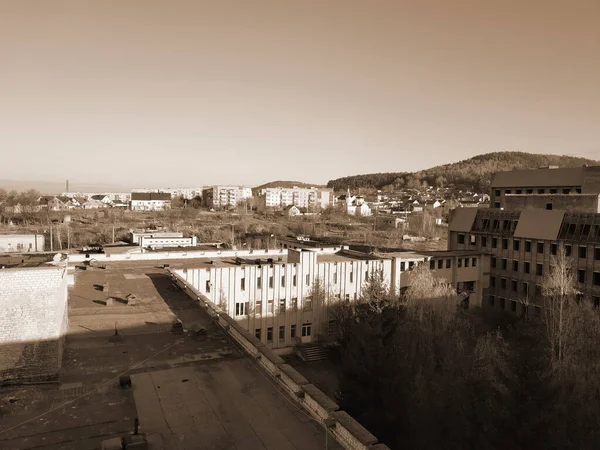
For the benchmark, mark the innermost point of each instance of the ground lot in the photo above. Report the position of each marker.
(225, 402)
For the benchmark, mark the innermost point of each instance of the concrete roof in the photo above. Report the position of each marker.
(462, 219)
(569, 176)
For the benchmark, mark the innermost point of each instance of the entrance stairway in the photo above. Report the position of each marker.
(312, 352)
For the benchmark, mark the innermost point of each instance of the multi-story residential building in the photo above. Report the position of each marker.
(142, 201)
(522, 244)
(224, 196)
(546, 181)
(276, 300)
(21, 243)
(308, 198)
(186, 193)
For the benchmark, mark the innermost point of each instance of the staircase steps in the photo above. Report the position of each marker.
(312, 352)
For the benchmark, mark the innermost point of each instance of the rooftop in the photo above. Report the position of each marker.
(18, 260)
(568, 176)
(189, 390)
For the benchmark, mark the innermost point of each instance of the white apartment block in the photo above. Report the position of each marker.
(187, 193)
(142, 201)
(274, 300)
(297, 196)
(224, 196)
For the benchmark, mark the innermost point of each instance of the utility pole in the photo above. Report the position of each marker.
(68, 237)
(51, 244)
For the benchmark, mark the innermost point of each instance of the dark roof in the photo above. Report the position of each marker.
(539, 224)
(571, 176)
(462, 219)
(98, 196)
(147, 196)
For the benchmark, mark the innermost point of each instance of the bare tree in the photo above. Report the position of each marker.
(559, 294)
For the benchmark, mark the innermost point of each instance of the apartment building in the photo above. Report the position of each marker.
(224, 196)
(275, 299)
(150, 201)
(521, 244)
(187, 193)
(22, 243)
(308, 198)
(546, 181)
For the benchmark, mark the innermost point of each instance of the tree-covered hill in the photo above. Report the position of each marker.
(284, 184)
(473, 173)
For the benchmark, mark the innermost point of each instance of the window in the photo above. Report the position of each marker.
(494, 242)
(553, 249)
(513, 285)
(243, 284)
(270, 307)
(513, 306)
(566, 190)
(241, 309)
(207, 286)
(497, 193)
(504, 243)
(581, 275)
(335, 278)
(539, 270)
(308, 304)
(483, 241)
(516, 245)
(515, 265)
(474, 262)
(347, 298)
(582, 252)
(538, 290)
(440, 264)
(306, 330)
(461, 238)
(528, 246)
(295, 280)
(527, 267)
(502, 303)
(293, 331)
(596, 279)
(271, 282)
(459, 261)
(507, 191)
(431, 264)
(502, 283)
(257, 333)
(549, 206)
(270, 334)
(597, 254)
(258, 307)
(541, 191)
(259, 283)
(504, 264)
(519, 191)
(282, 333)
(308, 279)
(567, 250)
(294, 304)
(402, 266)
(596, 302)
(496, 204)
(525, 288)
(466, 262)
(492, 300)
(472, 240)
(352, 276)
(282, 281)
(540, 248)
(529, 191)
(448, 263)
(493, 281)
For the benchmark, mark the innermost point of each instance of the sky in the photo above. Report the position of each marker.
(191, 93)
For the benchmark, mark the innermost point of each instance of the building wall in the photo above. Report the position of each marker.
(569, 202)
(33, 322)
(498, 196)
(519, 283)
(162, 241)
(20, 243)
(150, 205)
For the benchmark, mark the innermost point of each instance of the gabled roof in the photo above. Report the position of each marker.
(569, 176)
(539, 224)
(462, 219)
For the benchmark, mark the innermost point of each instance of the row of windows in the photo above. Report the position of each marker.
(460, 262)
(242, 308)
(539, 268)
(564, 190)
(306, 332)
(581, 278)
(513, 304)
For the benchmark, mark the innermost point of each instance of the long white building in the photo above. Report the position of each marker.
(275, 299)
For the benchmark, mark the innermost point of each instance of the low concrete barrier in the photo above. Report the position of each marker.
(347, 432)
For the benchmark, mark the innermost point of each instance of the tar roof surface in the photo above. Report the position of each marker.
(568, 176)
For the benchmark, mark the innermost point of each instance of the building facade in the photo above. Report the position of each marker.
(225, 196)
(309, 198)
(286, 302)
(150, 201)
(20, 243)
(522, 245)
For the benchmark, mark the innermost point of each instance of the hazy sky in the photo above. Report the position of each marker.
(171, 92)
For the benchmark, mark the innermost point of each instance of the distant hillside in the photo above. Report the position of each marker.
(473, 173)
(284, 184)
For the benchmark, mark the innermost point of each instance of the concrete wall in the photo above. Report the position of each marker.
(33, 323)
(345, 430)
(22, 243)
(567, 202)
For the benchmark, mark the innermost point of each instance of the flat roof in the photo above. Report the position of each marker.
(539, 224)
(17, 260)
(567, 176)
